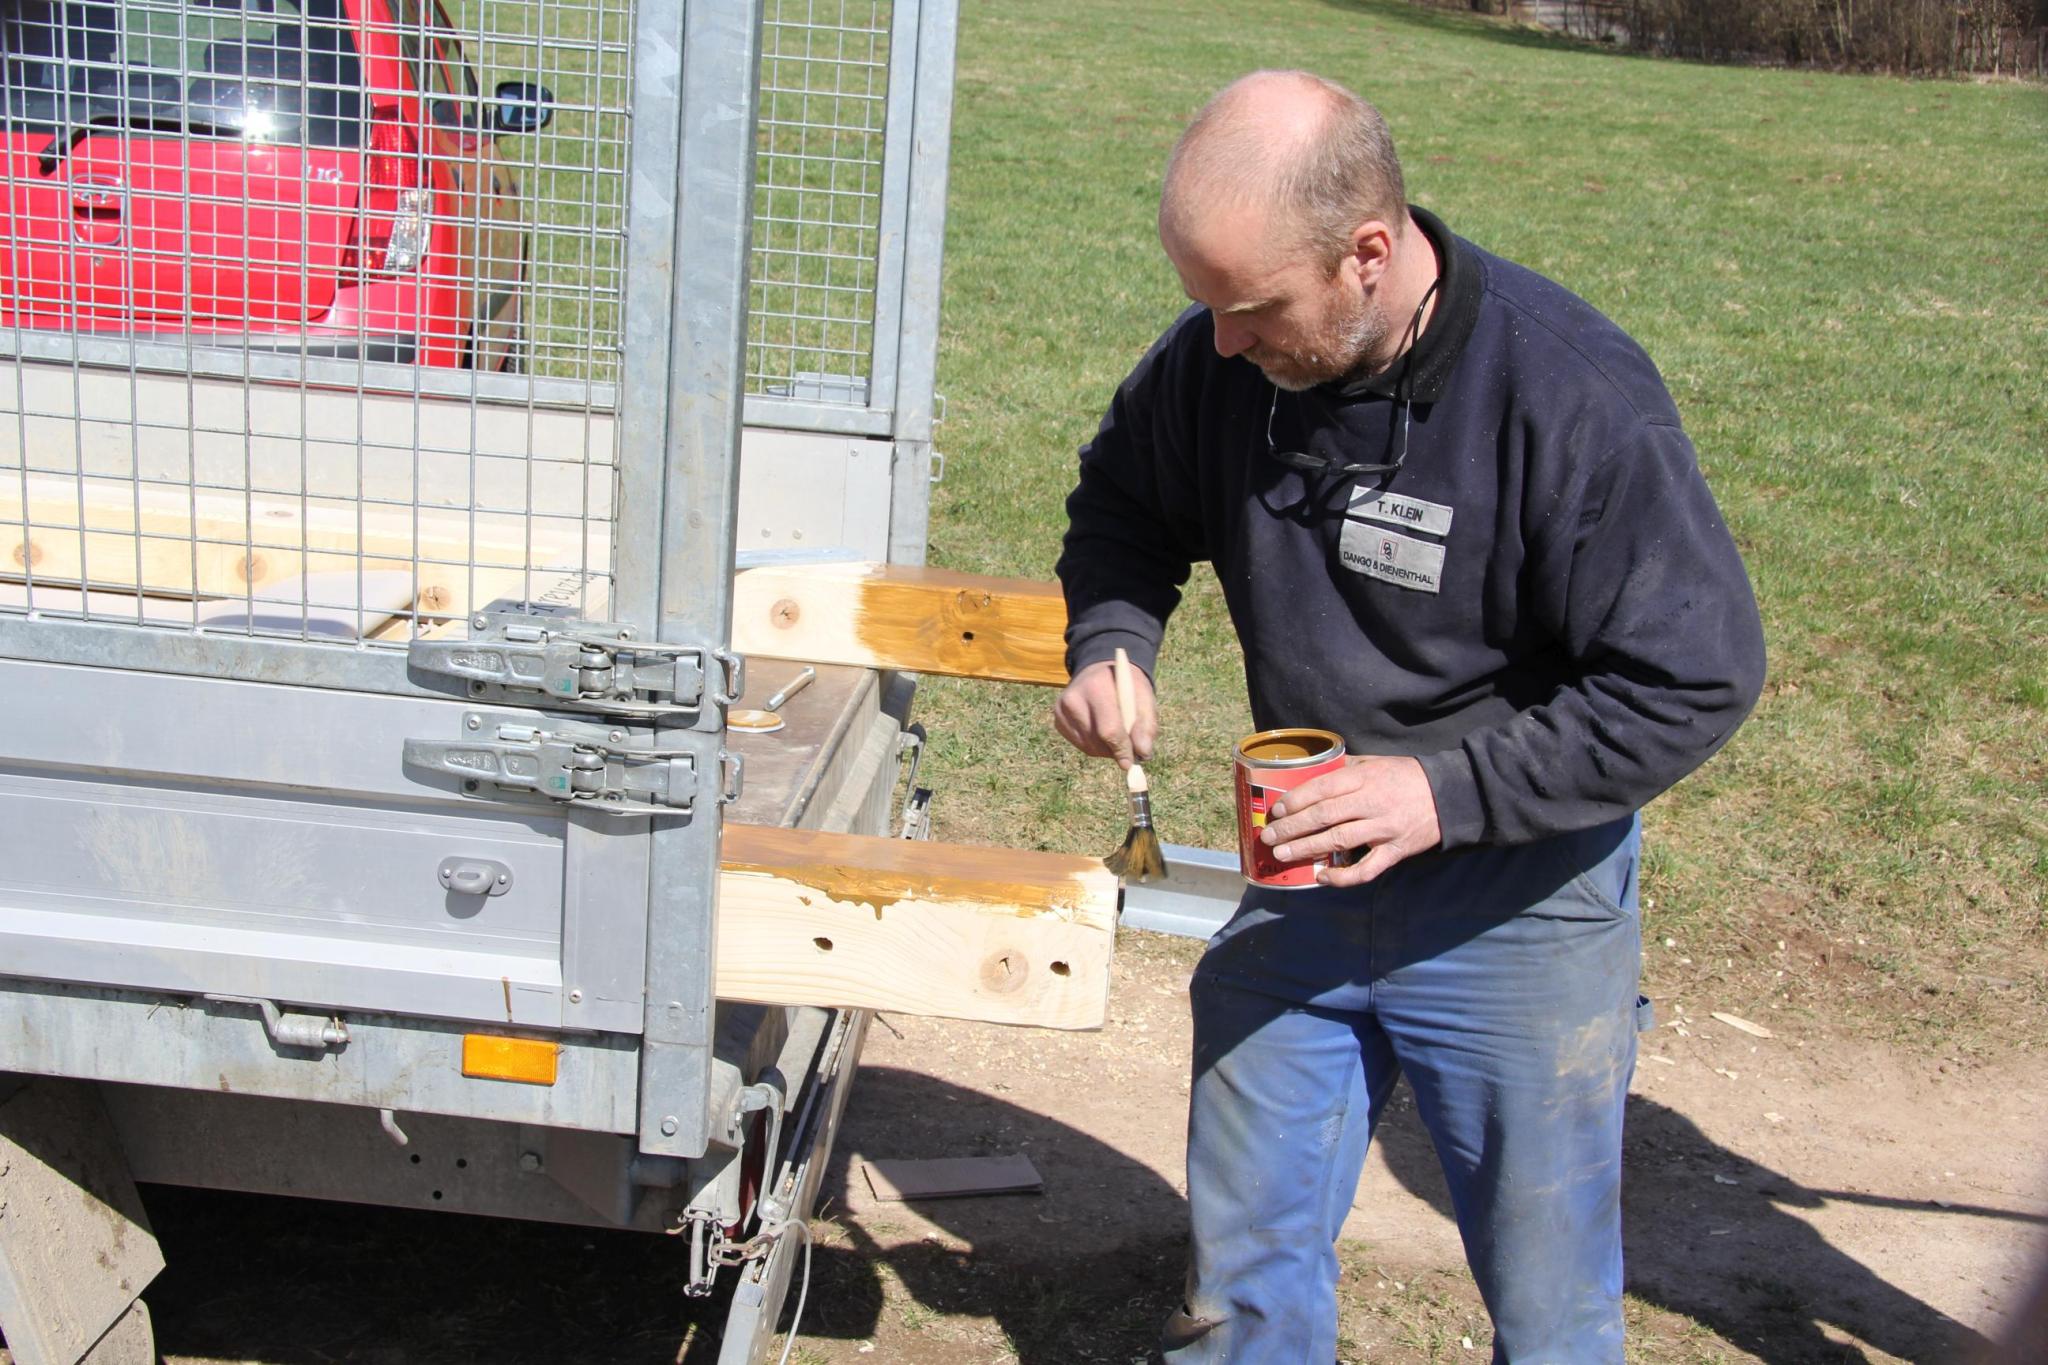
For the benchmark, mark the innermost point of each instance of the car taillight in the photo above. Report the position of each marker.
(391, 237)
(394, 153)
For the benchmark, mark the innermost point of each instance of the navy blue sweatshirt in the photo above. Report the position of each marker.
(1542, 604)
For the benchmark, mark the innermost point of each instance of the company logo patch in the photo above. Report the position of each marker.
(1400, 560)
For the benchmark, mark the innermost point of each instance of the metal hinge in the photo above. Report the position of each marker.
(597, 767)
(579, 665)
(917, 801)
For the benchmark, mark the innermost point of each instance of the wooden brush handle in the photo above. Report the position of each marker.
(1126, 697)
(1127, 707)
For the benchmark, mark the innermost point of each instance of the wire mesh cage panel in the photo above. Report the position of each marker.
(309, 310)
(818, 199)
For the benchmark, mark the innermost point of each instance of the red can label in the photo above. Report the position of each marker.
(1270, 764)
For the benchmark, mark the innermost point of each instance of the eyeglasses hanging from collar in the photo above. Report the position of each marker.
(1323, 464)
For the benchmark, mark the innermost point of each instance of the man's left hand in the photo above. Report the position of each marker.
(1377, 802)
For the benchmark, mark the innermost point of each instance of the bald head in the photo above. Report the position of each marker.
(1314, 158)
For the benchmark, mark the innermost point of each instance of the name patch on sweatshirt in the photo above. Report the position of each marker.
(1397, 559)
(1431, 518)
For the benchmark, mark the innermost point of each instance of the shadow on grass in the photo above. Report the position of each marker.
(1730, 1256)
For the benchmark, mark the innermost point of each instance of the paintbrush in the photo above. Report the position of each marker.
(1140, 858)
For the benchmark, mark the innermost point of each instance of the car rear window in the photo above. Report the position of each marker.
(258, 70)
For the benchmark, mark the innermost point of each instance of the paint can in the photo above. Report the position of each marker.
(1270, 764)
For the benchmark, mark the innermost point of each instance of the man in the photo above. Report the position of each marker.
(1456, 521)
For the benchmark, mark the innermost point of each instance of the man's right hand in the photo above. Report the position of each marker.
(1086, 715)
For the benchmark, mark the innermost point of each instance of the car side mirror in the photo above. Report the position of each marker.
(524, 107)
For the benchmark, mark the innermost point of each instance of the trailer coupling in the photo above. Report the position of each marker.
(714, 1244)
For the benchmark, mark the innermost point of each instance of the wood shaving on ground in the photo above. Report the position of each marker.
(1742, 1025)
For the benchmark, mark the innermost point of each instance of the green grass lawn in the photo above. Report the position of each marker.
(1845, 282)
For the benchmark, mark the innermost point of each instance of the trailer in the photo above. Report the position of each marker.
(371, 828)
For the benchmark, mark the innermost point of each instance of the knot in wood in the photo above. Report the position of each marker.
(1003, 971)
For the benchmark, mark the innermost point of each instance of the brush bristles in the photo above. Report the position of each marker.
(1140, 859)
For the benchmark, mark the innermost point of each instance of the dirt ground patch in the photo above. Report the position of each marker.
(1806, 1197)
(1803, 1197)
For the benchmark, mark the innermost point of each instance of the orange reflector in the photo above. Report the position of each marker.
(510, 1059)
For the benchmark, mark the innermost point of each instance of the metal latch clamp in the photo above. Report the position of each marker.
(579, 665)
(594, 766)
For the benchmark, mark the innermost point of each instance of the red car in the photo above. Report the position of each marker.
(305, 176)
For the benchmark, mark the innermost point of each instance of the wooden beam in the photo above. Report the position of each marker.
(865, 614)
(162, 539)
(1002, 935)
(891, 616)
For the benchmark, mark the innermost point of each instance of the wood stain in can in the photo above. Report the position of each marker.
(1270, 764)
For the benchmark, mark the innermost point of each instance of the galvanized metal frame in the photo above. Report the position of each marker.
(911, 240)
(397, 1062)
(899, 399)
(94, 742)
(818, 218)
(924, 237)
(686, 300)
(692, 117)
(592, 62)
(899, 146)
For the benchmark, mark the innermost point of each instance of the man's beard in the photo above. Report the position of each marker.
(1338, 349)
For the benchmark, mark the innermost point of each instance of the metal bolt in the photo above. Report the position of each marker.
(617, 736)
(474, 722)
(504, 879)
(478, 622)
(529, 1162)
(469, 786)
(669, 1125)
(576, 997)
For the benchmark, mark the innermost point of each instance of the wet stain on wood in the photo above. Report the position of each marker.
(895, 616)
(965, 625)
(876, 873)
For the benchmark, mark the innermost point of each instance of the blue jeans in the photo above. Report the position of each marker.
(1502, 982)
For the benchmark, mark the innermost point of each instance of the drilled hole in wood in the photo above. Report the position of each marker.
(1061, 969)
(824, 944)
(967, 635)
